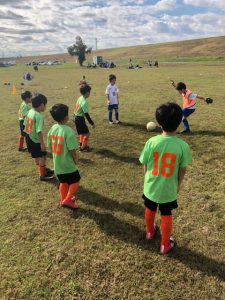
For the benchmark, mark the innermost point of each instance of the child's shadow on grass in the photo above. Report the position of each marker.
(208, 133)
(110, 154)
(133, 235)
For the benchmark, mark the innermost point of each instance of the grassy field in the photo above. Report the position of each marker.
(99, 251)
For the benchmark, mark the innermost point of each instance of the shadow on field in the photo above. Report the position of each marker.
(110, 154)
(208, 132)
(129, 233)
(97, 200)
(139, 126)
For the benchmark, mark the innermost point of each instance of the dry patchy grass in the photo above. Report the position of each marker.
(99, 251)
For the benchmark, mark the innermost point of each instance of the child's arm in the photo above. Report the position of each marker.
(181, 174)
(173, 83)
(200, 97)
(108, 100)
(41, 138)
(89, 120)
(74, 154)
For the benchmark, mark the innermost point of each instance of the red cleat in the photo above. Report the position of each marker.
(69, 204)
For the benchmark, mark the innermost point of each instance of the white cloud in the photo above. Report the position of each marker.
(216, 4)
(31, 27)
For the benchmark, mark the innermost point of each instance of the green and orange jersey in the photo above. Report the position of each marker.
(61, 140)
(33, 123)
(164, 156)
(81, 107)
(189, 99)
(23, 110)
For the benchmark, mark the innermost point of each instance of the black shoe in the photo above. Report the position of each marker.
(186, 131)
(86, 149)
(49, 172)
(46, 178)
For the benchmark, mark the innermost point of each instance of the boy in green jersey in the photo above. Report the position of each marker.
(81, 112)
(165, 158)
(62, 141)
(22, 113)
(35, 140)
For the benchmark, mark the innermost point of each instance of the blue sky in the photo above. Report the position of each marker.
(49, 26)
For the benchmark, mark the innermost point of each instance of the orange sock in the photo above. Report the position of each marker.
(85, 142)
(166, 229)
(72, 190)
(149, 220)
(42, 170)
(63, 190)
(21, 140)
(81, 139)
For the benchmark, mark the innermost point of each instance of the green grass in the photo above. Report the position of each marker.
(99, 251)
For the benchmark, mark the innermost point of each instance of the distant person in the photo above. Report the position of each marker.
(83, 80)
(36, 68)
(23, 111)
(165, 158)
(112, 93)
(150, 63)
(156, 64)
(81, 112)
(35, 139)
(63, 144)
(189, 103)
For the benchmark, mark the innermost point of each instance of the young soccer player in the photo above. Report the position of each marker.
(112, 99)
(81, 112)
(23, 111)
(189, 103)
(63, 144)
(35, 140)
(83, 80)
(165, 158)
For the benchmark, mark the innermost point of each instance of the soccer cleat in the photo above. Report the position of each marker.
(85, 149)
(186, 131)
(111, 122)
(49, 172)
(46, 177)
(69, 204)
(150, 235)
(117, 122)
(22, 149)
(74, 198)
(164, 249)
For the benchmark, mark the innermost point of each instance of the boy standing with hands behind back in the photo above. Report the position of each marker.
(165, 158)
(112, 92)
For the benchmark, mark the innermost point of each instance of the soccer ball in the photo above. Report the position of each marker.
(151, 126)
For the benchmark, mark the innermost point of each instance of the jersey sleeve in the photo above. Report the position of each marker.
(39, 123)
(186, 157)
(49, 143)
(71, 141)
(107, 90)
(192, 96)
(144, 157)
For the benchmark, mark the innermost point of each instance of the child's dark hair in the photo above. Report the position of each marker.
(181, 86)
(25, 95)
(169, 116)
(59, 112)
(38, 99)
(112, 77)
(84, 89)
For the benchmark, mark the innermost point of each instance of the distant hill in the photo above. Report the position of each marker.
(208, 47)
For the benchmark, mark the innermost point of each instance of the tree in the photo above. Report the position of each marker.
(79, 49)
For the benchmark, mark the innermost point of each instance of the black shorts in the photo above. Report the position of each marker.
(22, 133)
(81, 125)
(34, 148)
(69, 178)
(165, 208)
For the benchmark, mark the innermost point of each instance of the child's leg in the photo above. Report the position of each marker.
(81, 139)
(117, 114)
(150, 223)
(42, 169)
(110, 115)
(85, 141)
(71, 191)
(166, 229)
(20, 144)
(63, 190)
(187, 112)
